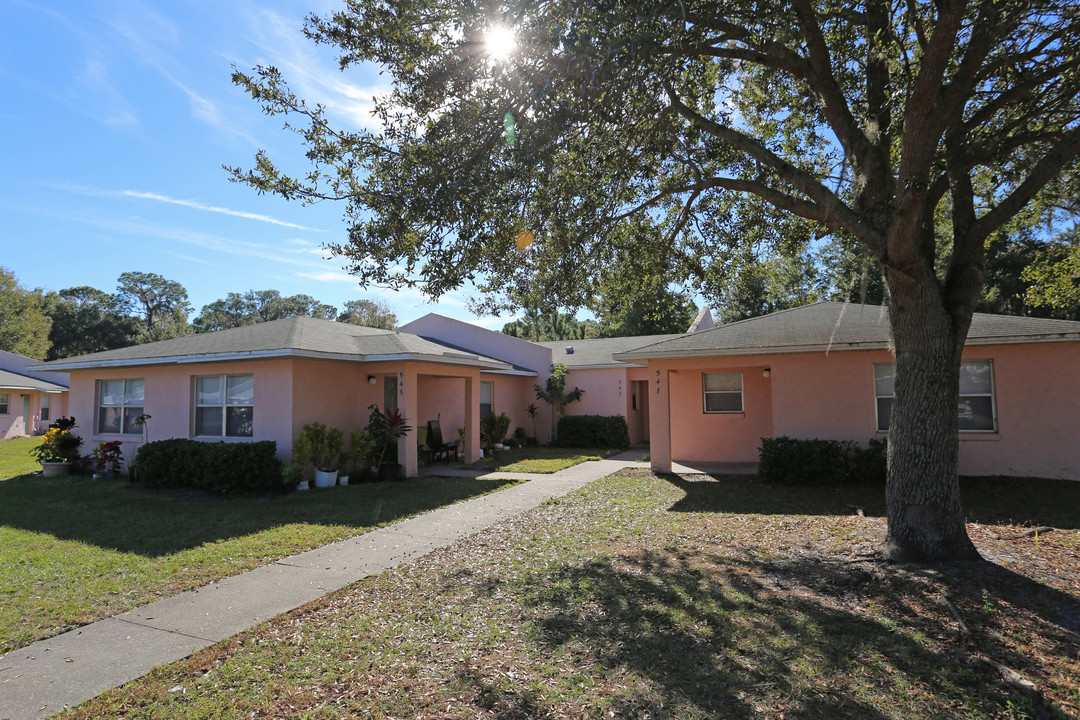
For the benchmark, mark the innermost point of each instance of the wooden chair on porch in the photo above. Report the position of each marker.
(435, 444)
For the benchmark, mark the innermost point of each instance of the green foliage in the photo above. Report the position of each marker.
(554, 392)
(219, 468)
(319, 445)
(161, 304)
(256, 306)
(536, 325)
(593, 431)
(24, 325)
(58, 445)
(495, 427)
(369, 313)
(87, 320)
(788, 461)
(1054, 279)
(384, 430)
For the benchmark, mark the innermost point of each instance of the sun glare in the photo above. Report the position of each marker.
(500, 43)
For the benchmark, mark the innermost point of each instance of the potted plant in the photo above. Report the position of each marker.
(461, 443)
(385, 429)
(58, 448)
(108, 458)
(323, 451)
(354, 459)
(301, 454)
(532, 410)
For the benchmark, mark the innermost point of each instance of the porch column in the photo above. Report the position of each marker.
(659, 418)
(408, 405)
(472, 418)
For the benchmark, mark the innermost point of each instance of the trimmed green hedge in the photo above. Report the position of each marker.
(593, 431)
(220, 468)
(787, 461)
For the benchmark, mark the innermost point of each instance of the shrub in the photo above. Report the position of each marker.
(593, 431)
(219, 468)
(496, 427)
(788, 461)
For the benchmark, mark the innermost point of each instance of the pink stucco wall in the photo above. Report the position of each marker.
(811, 395)
(21, 420)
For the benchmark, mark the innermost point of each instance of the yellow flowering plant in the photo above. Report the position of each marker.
(58, 445)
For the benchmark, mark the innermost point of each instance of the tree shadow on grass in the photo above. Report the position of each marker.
(119, 515)
(725, 637)
(987, 500)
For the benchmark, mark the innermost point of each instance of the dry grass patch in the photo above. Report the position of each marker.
(645, 597)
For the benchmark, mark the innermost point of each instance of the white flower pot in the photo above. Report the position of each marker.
(325, 478)
(343, 480)
(55, 469)
(303, 485)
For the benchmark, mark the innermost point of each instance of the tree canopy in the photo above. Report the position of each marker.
(24, 326)
(255, 306)
(369, 313)
(723, 124)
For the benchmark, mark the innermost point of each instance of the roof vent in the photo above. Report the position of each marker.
(569, 349)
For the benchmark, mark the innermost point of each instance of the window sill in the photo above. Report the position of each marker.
(740, 413)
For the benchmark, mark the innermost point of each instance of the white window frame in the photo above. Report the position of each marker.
(705, 393)
(45, 408)
(123, 407)
(992, 395)
(224, 405)
(5, 404)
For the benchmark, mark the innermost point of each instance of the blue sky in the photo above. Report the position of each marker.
(117, 116)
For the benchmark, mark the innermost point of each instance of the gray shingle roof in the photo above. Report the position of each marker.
(598, 351)
(15, 381)
(291, 337)
(839, 326)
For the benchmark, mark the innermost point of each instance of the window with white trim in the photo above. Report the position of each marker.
(975, 408)
(45, 408)
(224, 405)
(5, 401)
(119, 403)
(722, 392)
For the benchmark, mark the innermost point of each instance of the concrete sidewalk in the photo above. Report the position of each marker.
(47, 676)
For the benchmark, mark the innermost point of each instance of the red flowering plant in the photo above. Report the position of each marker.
(384, 429)
(108, 457)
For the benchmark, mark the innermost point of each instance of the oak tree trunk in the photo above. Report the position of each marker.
(926, 520)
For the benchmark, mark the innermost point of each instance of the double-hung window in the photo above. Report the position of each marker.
(975, 408)
(4, 402)
(119, 403)
(224, 405)
(45, 408)
(722, 392)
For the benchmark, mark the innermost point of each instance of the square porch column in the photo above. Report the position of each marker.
(659, 418)
(408, 395)
(472, 418)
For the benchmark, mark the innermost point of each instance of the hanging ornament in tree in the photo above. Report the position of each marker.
(509, 129)
(524, 239)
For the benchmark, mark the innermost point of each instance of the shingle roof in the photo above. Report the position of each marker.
(598, 351)
(839, 326)
(291, 337)
(15, 381)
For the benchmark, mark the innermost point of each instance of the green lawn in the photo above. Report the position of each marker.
(542, 459)
(15, 458)
(651, 597)
(73, 549)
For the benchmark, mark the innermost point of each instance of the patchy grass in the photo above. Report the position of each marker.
(74, 550)
(15, 457)
(649, 597)
(542, 459)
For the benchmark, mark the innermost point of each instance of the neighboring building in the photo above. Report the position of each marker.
(825, 371)
(700, 398)
(29, 400)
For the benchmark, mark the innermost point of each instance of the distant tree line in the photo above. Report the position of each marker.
(50, 325)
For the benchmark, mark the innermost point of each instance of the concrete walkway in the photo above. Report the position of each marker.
(47, 676)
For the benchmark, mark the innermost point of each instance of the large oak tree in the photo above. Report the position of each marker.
(869, 121)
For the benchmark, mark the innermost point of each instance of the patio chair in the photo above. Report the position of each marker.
(435, 443)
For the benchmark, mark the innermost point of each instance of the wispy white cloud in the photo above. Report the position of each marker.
(311, 72)
(195, 205)
(329, 276)
(100, 97)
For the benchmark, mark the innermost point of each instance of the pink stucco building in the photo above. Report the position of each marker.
(29, 400)
(825, 371)
(700, 399)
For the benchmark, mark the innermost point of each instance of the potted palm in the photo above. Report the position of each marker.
(384, 430)
(323, 446)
